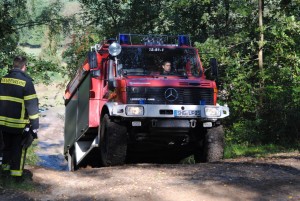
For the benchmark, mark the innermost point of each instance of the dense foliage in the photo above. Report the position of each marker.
(264, 101)
(33, 23)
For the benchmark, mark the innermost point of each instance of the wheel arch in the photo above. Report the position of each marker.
(105, 110)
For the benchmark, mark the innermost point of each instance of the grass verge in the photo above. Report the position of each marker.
(31, 157)
(239, 150)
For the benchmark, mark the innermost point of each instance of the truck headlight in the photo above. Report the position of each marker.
(134, 110)
(212, 112)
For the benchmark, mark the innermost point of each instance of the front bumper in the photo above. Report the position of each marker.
(205, 112)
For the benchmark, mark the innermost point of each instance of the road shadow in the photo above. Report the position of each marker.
(264, 180)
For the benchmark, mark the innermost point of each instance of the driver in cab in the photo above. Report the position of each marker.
(167, 68)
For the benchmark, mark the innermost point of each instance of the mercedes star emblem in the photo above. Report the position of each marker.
(171, 94)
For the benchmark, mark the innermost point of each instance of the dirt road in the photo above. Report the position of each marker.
(276, 177)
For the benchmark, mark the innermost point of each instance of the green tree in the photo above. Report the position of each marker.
(9, 13)
(277, 118)
(282, 60)
(21, 17)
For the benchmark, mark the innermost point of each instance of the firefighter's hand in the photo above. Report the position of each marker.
(27, 138)
(34, 133)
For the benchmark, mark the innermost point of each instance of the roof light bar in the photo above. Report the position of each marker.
(154, 39)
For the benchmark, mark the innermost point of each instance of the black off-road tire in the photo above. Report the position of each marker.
(214, 144)
(211, 148)
(113, 142)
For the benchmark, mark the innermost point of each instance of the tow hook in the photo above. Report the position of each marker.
(193, 123)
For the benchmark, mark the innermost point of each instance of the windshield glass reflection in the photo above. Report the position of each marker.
(149, 61)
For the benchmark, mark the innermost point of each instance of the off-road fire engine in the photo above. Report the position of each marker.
(120, 105)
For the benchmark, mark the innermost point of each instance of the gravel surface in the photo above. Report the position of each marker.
(275, 177)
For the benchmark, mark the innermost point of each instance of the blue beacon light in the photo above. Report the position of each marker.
(124, 39)
(202, 102)
(183, 40)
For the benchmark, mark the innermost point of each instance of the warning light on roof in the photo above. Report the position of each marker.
(183, 40)
(124, 39)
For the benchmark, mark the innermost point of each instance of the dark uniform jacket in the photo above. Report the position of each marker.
(18, 102)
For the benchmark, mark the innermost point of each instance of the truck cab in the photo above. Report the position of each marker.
(121, 104)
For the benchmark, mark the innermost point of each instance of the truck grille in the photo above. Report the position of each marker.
(178, 96)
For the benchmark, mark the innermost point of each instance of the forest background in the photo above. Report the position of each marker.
(259, 60)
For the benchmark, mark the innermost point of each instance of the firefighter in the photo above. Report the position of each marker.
(19, 118)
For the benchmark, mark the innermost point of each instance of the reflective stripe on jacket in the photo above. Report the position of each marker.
(18, 102)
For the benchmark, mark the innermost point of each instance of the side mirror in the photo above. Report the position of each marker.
(111, 74)
(111, 84)
(92, 59)
(214, 67)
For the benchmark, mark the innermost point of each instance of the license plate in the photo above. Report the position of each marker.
(187, 113)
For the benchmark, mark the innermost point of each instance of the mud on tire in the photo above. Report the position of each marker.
(113, 142)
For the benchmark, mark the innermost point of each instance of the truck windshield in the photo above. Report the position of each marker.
(149, 60)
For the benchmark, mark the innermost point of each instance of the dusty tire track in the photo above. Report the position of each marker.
(241, 179)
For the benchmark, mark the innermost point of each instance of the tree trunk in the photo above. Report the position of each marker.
(260, 52)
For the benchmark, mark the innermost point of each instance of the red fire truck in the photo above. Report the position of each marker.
(120, 104)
